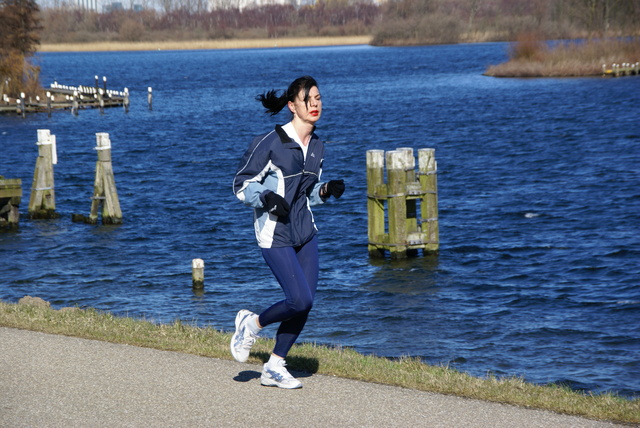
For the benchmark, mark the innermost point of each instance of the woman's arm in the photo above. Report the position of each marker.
(254, 167)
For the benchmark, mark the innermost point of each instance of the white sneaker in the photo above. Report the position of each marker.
(277, 375)
(243, 339)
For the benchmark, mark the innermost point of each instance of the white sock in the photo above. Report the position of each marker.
(275, 361)
(253, 325)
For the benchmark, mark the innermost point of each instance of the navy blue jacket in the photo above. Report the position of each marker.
(274, 162)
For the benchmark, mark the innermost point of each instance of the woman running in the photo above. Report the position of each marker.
(279, 176)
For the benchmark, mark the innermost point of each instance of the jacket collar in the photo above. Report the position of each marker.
(284, 137)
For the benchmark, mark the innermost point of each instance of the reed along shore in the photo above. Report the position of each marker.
(284, 42)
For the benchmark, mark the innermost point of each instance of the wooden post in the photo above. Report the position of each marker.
(74, 103)
(397, 203)
(125, 100)
(197, 273)
(407, 232)
(413, 195)
(48, 104)
(101, 101)
(104, 188)
(412, 189)
(10, 198)
(375, 203)
(23, 102)
(428, 168)
(42, 203)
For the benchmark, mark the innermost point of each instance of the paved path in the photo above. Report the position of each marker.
(57, 381)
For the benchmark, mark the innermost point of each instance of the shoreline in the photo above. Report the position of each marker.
(285, 42)
(71, 381)
(36, 314)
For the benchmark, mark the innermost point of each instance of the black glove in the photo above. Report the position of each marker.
(335, 188)
(276, 204)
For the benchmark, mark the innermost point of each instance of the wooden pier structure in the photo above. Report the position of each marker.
(403, 212)
(10, 198)
(63, 97)
(624, 69)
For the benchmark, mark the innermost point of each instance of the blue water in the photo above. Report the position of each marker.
(538, 272)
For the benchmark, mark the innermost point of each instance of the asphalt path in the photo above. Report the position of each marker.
(57, 381)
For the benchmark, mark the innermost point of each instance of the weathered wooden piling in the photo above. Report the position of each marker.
(197, 273)
(100, 96)
(125, 100)
(428, 177)
(23, 104)
(396, 203)
(49, 100)
(404, 232)
(412, 204)
(104, 188)
(74, 103)
(10, 198)
(42, 203)
(375, 205)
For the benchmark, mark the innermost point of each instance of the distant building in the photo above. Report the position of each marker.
(87, 4)
(116, 5)
(248, 4)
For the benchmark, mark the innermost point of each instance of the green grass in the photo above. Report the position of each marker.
(343, 362)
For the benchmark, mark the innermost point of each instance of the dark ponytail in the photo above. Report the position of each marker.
(274, 103)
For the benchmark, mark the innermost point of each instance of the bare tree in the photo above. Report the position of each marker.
(19, 38)
(19, 26)
(166, 5)
(474, 6)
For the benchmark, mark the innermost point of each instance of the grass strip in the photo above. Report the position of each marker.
(342, 362)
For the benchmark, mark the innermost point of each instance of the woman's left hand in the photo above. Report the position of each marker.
(334, 188)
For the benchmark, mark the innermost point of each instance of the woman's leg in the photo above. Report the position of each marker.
(296, 269)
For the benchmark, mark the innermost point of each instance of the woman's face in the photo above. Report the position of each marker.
(307, 112)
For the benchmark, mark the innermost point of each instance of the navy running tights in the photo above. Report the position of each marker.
(296, 269)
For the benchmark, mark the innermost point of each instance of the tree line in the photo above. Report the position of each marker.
(395, 22)
(390, 23)
(276, 20)
(453, 21)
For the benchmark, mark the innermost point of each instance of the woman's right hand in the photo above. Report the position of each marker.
(276, 204)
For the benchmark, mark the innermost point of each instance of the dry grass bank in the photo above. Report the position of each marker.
(206, 44)
(534, 58)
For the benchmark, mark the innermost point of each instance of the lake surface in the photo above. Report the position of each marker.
(538, 273)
